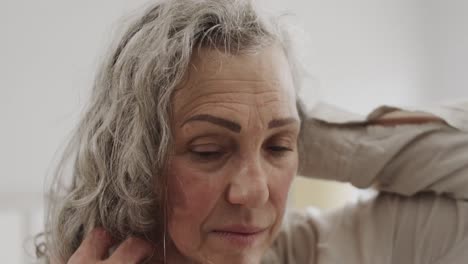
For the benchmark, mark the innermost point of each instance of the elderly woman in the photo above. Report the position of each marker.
(194, 133)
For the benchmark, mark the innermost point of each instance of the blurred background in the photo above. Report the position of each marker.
(360, 54)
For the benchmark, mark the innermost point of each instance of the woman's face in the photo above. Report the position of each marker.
(235, 127)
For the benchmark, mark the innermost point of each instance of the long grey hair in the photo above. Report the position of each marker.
(119, 148)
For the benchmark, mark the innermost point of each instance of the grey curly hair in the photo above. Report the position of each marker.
(118, 151)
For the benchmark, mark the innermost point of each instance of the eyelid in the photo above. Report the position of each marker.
(281, 143)
(206, 147)
(207, 139)
(283, 139)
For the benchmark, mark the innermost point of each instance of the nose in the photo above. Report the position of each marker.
(249, 184)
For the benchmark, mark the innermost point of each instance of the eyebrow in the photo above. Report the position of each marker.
(282, 122)
(235, 127)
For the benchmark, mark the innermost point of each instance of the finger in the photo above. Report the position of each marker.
(132, 250)
(94, 247)
(406, 120)
(406, 117)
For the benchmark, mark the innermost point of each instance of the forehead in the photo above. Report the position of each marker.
(259, 77)
(267, 64)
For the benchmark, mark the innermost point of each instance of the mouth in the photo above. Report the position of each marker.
(240, 236)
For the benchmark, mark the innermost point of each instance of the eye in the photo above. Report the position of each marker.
(279, 149)
(206, 152)
(280, 145)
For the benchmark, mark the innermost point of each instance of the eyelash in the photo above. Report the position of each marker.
(277, 151)
(207, 155)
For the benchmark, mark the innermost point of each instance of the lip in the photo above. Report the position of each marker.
(239, 235)
(241, 229)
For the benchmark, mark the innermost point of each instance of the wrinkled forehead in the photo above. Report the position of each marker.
(211, 71)
(268, 63)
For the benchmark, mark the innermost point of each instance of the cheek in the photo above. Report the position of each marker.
(284, 186)
(280, 185)
(280, 189)
(191, 199)
(285, 174)
(186, 194)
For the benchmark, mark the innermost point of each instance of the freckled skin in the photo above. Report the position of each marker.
(239, 177)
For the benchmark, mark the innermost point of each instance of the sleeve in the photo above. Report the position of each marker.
(403, 159)
(421, 213)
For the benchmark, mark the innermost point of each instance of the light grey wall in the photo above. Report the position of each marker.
(446, 27)
(48, 56)
(364, 53)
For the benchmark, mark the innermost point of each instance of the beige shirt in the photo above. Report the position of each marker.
(420, 215)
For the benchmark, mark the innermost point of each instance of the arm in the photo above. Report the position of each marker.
(421, 153)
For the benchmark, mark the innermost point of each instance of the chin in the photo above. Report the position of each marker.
(224, 256)
(252, 258)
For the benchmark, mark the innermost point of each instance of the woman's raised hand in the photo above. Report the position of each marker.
(401, 117)
(95, 249)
